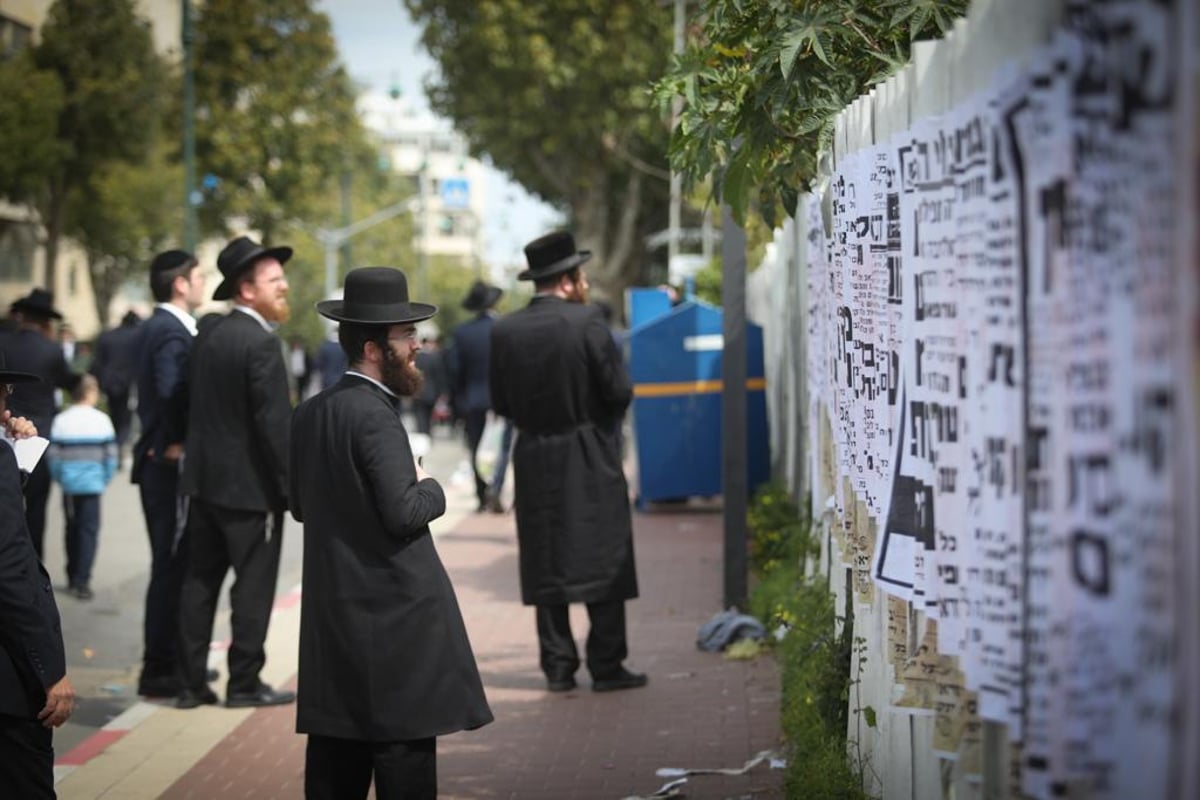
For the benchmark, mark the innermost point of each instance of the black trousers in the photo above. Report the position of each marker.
(26, 758)
(37, 492)
(249, 542)
(474, 423)
(341, 769)
(606, 646)
(118, 412)
(166, 521)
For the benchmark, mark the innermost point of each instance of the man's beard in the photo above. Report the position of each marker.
(274, 310)
(399, 375)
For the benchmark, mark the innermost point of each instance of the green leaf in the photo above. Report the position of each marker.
(869, 716)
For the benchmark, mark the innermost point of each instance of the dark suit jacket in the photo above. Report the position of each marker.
(29, 351)
(384, 654)
(470, 354)
(31, 646)
(238, 415)
(161, 369)
(557, 374)
(115, 362)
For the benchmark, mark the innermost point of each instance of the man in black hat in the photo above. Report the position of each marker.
(161, 372)
(469, 356)
(385, 663)
(557, 374)
(236, 475)
(31, 348)
(35, 693)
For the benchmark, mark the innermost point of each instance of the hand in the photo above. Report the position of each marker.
(17, 427)
(173, 452)
(421, 473)
(60, 702)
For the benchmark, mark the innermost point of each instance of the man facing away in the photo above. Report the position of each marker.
(35, 693)
(32, 349)
(556, 373)
(385, 663)
(469, 374)
(115, 366)
(235, 473)
(161, 372)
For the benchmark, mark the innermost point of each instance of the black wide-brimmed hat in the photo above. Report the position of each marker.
(38, 303)
(481, 297)
(9, 376)
(240, 255)
(375, 296)
(551, 254)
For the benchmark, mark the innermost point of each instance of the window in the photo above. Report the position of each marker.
(18, 242)
(14, 37)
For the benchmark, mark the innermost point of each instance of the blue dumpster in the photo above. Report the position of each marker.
(675, 365)
(643, 305)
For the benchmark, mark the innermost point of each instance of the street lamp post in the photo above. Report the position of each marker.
(335, 238)
(189, 131)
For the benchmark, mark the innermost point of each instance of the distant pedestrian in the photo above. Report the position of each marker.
(300, 368)
(164, 350)
(330, 360)
(83, 458)
(469, 374)
(115, 365)
(235, 473)
(556, 373)
(434, 388)
(35, 693)
(385, 663)
(32, 348)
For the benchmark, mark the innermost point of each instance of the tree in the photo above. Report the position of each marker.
(102, 55)
(125, 215)
(762, 83)
(275, 116)
(30, 103)
(555, 93)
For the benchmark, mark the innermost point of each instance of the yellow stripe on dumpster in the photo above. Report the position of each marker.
(691, 387)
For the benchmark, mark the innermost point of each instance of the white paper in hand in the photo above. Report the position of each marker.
(29, 451)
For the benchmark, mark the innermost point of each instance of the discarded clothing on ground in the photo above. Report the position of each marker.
(726, 628)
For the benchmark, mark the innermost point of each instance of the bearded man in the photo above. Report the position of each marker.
(557, 374)
(385, 663)
(235, 474)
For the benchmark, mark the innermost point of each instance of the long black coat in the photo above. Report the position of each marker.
(556, 373)
(29, 351)
(32, 658)
(384, 654)
(240, 407)
(161, 372)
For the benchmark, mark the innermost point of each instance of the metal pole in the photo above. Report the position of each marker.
(346, 217)
(734, 485)
(675, 211)
(189, 132)
(331, 281)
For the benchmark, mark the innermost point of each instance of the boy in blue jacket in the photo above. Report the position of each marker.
(83, 458)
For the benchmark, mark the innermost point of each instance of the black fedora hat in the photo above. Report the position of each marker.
(375, 296)
(240, 255)
(38, 303)
(551, 254)
(481, 296)
(9, 376)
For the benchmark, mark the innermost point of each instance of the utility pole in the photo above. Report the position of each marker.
(734, 485)
(336, 238)
(676, 209)
(190, 196)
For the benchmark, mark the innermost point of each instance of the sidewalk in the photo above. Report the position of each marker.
(699, 711)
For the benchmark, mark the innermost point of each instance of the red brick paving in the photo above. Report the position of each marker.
(700, 710)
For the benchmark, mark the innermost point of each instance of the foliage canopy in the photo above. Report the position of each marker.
(555, 93)
(761, 83)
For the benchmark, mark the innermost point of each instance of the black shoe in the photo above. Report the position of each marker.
(211, 675)
(561, 685)
(162, 686)
(494, 504)
(190, 699)
(621, 680)
(83, 592)
(264, 695)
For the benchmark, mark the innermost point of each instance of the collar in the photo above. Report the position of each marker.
(185, 319)
(386, 390)
(269, 327)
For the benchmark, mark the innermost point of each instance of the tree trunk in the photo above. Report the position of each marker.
(607, 223)
(55, 212)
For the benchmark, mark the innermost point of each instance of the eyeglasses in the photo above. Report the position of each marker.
(408, 337)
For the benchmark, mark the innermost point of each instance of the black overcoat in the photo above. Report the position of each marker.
(384, 654)
(237, 428)
(557, 374)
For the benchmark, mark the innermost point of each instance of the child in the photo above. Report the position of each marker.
(83, 458)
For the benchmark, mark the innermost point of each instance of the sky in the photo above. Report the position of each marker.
(380, 46)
